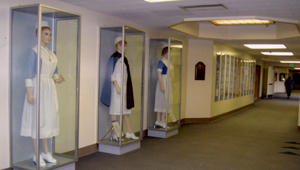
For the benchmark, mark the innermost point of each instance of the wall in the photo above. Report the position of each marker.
(279, 85)
(270, 83)
(198, 92)
(89, 52)
(224, 106)
(261, 64)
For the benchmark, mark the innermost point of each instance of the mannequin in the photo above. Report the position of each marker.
(49, 119)
(111, 93)
(162, 96)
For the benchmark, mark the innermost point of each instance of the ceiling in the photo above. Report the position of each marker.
(165, 14)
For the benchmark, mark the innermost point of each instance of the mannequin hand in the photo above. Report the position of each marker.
(162, 88)
(30, 98)
(60, 79)
(118, 89)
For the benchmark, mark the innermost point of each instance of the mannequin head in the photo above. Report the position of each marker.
(164, 51)
(46, 36)
(119, 46)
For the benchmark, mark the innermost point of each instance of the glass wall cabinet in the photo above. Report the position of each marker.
(164, 89)
(44, 87)
(120, 89)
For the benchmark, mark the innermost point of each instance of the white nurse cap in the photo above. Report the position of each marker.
(118, 39)
(43, 24)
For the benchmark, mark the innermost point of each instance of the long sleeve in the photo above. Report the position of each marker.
(31, 67)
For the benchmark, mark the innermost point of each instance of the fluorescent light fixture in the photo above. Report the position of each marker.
(203, 7)
(290, 61)
(265, 46)
(297, 68)
(153, 1)
(278, 53)
(176, 46)
(241, 21)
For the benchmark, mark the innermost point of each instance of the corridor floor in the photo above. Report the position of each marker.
(263, 137)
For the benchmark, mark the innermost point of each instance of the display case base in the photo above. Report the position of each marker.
(119, 150)
(162, 133)
(63, 163)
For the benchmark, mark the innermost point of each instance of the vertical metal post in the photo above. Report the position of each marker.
(167, 85)
(38, 89)
(122, 85)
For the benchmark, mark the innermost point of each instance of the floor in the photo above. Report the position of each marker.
(263, 137)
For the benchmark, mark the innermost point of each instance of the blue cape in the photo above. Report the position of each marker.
(106, 91)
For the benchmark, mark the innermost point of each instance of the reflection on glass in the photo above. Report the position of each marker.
(117, 81)
(49, 119)
(164, 84)
(43, 110)
(120, 85)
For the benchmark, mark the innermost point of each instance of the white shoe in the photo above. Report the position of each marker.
(42, 162)
(48, 157)
(115, 137)
(131, 135)
(163, 125)
(157, 123)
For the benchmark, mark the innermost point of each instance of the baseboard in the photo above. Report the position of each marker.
(87, 150)
(213, 119)
(8, 169)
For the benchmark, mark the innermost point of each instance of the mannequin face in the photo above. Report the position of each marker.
(46, 36)
(119, 47)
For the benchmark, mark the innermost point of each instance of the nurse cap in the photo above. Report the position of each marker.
(43, 24)
(118, 39)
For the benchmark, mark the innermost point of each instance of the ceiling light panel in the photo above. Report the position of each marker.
(154, 1)
(278, 53)
(290, 61)
(203, 7)
(265, 46)
(241, 22)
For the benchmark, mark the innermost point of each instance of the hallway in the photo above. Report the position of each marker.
(254, 139)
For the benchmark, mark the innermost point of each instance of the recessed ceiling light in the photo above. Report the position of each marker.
(153, 1)
(278, 53)
(241, 21)
(265, 46)
(290, 61)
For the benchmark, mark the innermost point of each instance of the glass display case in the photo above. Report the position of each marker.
(120, 89)
(164, 89)
(44, 87)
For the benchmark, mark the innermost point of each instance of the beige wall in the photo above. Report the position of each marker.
(198, 92)
(228, 105)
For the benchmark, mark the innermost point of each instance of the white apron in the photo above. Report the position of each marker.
(161, 99)
(115, 101)
(49, 118)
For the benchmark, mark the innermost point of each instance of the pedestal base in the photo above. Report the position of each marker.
(162, 133)
(119, 150)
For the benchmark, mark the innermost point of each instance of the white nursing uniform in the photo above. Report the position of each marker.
(115, 103)
(49, 118)
(161, 99)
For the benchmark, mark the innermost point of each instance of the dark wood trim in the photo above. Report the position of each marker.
(8, 169)
(87, 150)
(298, 128)
(213, 119)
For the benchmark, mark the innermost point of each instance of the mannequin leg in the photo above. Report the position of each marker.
(113, 118)
(34, 145)
(45, 146)
(129, 133)
(158, 118)
(127, 123)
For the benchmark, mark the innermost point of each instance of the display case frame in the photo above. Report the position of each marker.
(22, 19)
(172, 120)
(135, 38)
